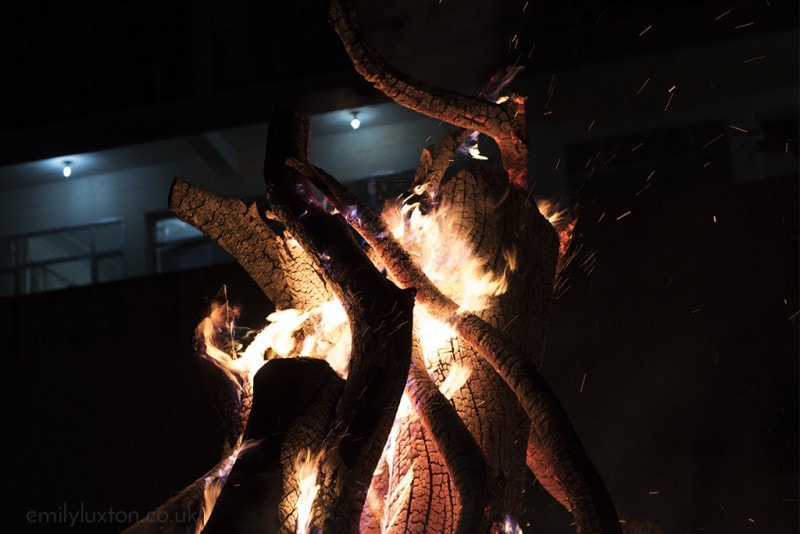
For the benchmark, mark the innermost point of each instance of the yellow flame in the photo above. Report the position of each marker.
(216, 481)
(221, 322)
(306, 468)
(322, 332)
(446, 255)
(563, 221)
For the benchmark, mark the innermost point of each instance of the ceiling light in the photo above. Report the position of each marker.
(67, 169)
(355, 123)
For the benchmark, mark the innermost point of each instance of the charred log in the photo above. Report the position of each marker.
(459, 450)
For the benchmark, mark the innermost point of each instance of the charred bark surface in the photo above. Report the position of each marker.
(402, 444)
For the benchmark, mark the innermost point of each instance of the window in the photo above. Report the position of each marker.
(61, 258)
(177, 245)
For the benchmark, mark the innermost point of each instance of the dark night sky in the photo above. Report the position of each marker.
(676, 354)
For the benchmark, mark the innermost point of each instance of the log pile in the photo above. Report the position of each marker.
(409, 438)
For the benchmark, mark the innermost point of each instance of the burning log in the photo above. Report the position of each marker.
(438, 408)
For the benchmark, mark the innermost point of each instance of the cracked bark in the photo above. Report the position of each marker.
(467, 455)
(562, 457)
(505, 123)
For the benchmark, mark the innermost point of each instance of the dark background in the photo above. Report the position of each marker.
(674, 345)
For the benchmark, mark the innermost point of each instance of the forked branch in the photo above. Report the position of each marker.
(563, 455)
(504, 123)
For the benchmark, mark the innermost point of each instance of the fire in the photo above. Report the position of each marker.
(215, 482)
(322, 332)
(306, 468)
(447, 257)
(563, 221)
(217, 333)
(510, 526)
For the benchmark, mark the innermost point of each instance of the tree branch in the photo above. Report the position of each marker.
(463, 457)
(279, 266)
(505, 123)
(559, 443)
(380, 320)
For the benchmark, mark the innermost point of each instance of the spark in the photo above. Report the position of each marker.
(637, 147)
(642, 190)
(644, 31)
(525, 6)
(599, 17)
(558, 162)
(720, 136)
(654, 492)
(738, 129)
(714, 218)
(671, 94)
(757, 58)
(745, 25)
(602, 215)
(795, 314)
(583, 381)
(591, 124)
(706, 164)
(643, 86)
(624, 215)
(723, 14)
(650, 175)
(696, 310)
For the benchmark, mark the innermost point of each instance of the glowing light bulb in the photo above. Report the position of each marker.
(67, 169)
(355, 123)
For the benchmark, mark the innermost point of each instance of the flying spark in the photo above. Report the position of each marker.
(624, 215)
(643, 86)
(720, 136)
(671, 94)
(738, 129)
(644, 31)
(757, 58)
(642, 190)
(745, 25)
(723, 14)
